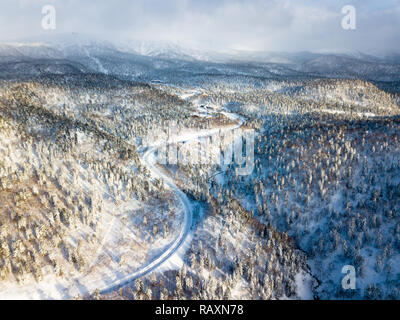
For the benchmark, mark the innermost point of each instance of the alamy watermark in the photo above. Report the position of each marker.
(349, 280)
(222, 148)
(48, 17)
(349, 21)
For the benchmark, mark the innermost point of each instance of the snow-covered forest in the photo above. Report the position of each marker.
(90, 211)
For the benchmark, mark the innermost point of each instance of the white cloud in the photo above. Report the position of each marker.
(280, 25)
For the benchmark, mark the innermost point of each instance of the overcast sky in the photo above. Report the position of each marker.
(273, 25)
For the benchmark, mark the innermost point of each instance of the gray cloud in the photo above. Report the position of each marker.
(276, 25)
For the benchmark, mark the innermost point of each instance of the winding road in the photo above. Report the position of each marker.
(148, 158)
(53, 288)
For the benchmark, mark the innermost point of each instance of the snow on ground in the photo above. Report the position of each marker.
(304, 283)
(361, 114)
(114, 264)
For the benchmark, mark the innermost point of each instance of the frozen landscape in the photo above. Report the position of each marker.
(150, 171)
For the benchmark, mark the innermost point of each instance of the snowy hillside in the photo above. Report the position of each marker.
(144, 170)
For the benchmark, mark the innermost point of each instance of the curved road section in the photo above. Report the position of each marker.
(149, 159)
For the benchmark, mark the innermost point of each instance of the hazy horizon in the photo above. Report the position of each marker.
(245, 25)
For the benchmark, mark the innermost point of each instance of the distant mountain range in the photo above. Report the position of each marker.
(147, 55)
